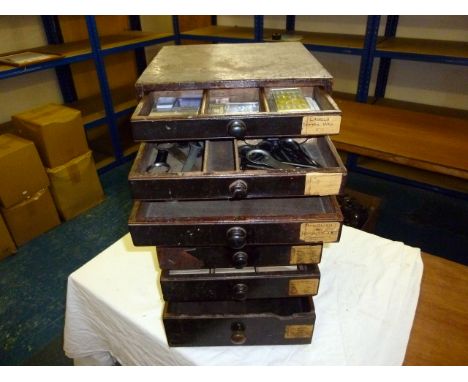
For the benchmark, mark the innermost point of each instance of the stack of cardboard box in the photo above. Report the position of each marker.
(26, 203)
(53, 137)
(60, 138)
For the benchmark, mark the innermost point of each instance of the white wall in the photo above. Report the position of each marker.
(32, 90)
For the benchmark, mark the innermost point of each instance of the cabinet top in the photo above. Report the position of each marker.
(233, 66)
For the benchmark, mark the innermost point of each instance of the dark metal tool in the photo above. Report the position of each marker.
(160, 163)
(195, 150)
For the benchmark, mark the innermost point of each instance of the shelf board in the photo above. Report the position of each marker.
(333, 40)
(423, 140)
(422, 47)
(418, 175)
(330, 40)
(220, 31)
(129, 38)
(81, 50)
(92, 108)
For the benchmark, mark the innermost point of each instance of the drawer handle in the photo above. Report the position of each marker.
(240, 259)
(238, 336)
(236, 237)
(238, 189)
(237, 128)
(240, 292)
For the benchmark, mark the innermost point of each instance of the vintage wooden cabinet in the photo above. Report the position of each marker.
(218, 174)
(236, 223)
(244, 74)
(234, 182)
(240, 284)
(173, 258)
(283, 321)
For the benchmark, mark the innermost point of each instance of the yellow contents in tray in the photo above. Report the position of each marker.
(289, 99)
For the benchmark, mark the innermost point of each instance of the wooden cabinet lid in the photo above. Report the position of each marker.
(233, 65)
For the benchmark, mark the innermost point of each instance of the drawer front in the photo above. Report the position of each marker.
(224, 257)
(220, 173)
(231, 323)
(240, 285)
(235, 113)
(236, 223)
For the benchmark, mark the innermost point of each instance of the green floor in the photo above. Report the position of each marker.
(33, 282)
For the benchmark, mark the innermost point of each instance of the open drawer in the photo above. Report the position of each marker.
(237, 223)
(235, 113)
(240, 284)
(274, 321)
(224, 257)
(221, 171)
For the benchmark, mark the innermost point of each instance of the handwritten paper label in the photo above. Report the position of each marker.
(319, 183)
(298, 331)
(300, 287)
(321, 124)
(319, 232)
(305, 254)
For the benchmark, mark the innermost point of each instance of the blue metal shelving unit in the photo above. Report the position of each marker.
(96, 54)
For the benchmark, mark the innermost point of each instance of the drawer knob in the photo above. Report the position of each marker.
(238, 189)
(236, 237)
(237, 128)
(239, 259)
(238, 336)
(240, 292)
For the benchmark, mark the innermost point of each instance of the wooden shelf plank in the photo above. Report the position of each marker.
(424, 47)
(441, 309)
(422, 140)
(92, 107)
(324, 39)
(221, 31)
(129, 37)
(313, 38)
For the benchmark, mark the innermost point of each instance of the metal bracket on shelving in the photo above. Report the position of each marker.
(365, 70)
(111, 118)
(290, 23)
(258, 27)
(175, 27)
(64, 75)
(135, 25)
(384, 66)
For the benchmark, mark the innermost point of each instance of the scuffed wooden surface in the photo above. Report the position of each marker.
(236, 65)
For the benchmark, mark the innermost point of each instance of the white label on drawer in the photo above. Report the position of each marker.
(321, 124)
(305, 254)
(300, 287)
(320, 183)
(298, 331)
(319, 232)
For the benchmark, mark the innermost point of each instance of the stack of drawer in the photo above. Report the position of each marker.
(234, 184)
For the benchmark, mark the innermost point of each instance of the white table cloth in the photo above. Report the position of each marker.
(365, 309)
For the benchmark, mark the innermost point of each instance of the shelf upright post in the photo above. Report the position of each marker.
(135, 25)
(175, 26)
(258, 26)
(214, 20)
(290, 23)
(104, 87)
(64, 75)
(367, 58)
(384, 66)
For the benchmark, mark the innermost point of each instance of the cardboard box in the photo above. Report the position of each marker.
(75, 186)
(7, 246)
(32, 217)
(21, 171)
(56, 130)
